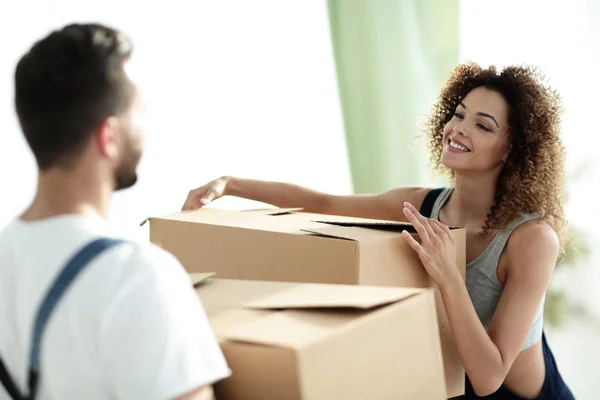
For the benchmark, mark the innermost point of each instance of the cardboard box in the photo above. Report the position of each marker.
(314, 341)
(289, 246)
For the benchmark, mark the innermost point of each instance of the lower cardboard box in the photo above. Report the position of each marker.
(319, 341)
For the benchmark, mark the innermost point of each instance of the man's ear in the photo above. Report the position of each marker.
(108, 138)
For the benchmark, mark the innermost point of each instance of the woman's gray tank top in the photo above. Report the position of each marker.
(482, 278)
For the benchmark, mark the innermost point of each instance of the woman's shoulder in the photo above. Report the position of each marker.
(533, 242)
(532, 228)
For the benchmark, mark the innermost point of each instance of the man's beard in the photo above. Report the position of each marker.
(125, 181)
(126, 172)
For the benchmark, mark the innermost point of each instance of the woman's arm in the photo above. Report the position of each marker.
(531, 253)
(387, 205)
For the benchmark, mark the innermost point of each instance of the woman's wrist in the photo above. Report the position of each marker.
(230, 186)
(452, 282)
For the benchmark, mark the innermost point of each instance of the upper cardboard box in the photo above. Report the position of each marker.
(291, 246)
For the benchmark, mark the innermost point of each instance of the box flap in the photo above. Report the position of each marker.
(359, 229)
(275, 220)
(192, 215)
(287, 329)
(223, 319)
(328, 296)
(273, 211)
(375, 224)
(198, 278)
(298, 328)
(350, 231)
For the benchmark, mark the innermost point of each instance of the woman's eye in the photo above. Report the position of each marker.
(458, 115)
(485, 128)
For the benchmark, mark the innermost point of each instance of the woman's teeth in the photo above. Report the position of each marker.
(458, 146)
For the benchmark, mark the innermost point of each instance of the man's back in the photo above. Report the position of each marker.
(130, 326)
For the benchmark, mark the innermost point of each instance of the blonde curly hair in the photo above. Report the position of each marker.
(532, 179)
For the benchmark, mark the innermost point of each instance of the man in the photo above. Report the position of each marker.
(130, 326)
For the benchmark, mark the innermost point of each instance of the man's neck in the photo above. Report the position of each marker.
(62, 192)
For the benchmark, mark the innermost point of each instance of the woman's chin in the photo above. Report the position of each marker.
(452, 164)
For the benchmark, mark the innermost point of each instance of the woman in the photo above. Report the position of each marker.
(497, 135)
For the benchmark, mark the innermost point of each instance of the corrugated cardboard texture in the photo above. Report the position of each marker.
(240, 253)
(404, 379)
(287, 246)
(260, 372)
(365, 343)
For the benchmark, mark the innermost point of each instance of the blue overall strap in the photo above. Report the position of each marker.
(427, 206)
(59, 287)
(8, 383)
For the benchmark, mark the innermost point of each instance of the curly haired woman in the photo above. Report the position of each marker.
(497, 135)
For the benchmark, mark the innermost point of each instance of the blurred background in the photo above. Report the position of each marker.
(330, 94)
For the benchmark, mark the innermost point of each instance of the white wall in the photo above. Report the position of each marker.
(563, 39)
(233, 87)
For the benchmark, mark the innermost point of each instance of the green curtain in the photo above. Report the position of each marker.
(392, 57)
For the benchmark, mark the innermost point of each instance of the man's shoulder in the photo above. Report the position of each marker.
(8, 230)
(136, 260)
(147, 253)
(134, 277)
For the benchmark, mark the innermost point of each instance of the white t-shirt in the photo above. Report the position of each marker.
(130, 325)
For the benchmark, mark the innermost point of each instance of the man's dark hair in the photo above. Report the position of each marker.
(67, 85)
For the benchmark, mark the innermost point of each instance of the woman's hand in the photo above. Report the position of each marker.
(203, 195)
(437, 249)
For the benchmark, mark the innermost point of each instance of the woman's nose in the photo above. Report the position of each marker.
(459, 129)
